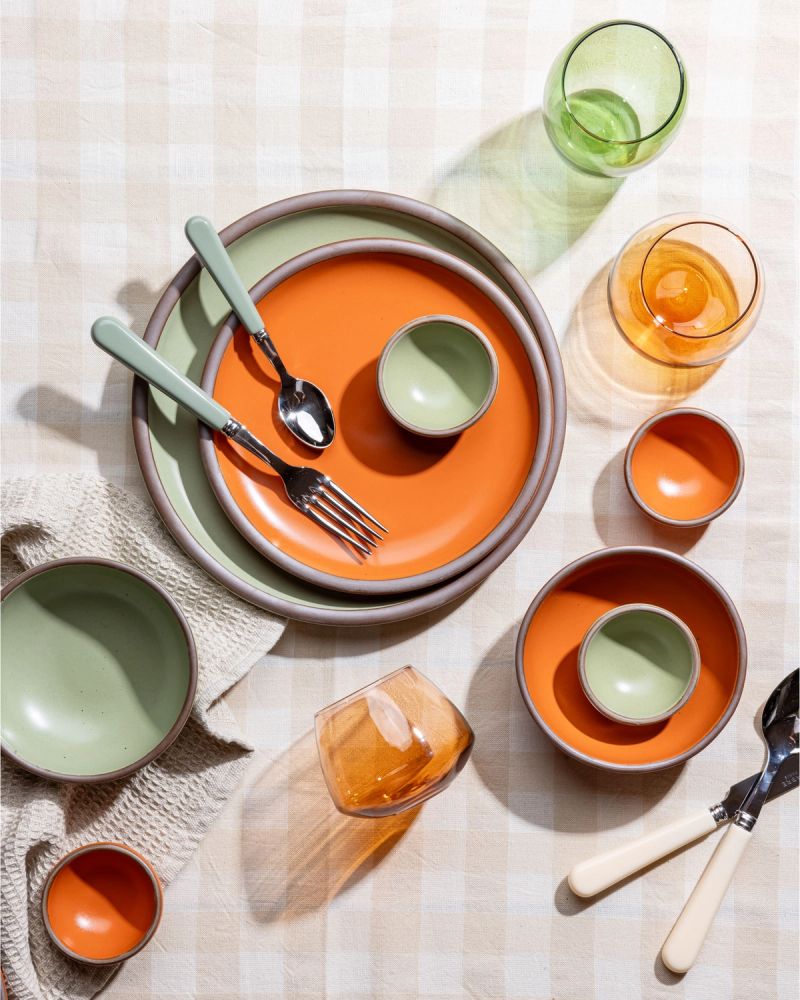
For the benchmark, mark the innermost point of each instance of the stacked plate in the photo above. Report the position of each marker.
(335, 274)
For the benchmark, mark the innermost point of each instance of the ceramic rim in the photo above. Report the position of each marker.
(482, 339)
(418, 603)
(186, 708)
(597, 556)
(618, 612)
(640, 432)
(538, 458)
(158, 893)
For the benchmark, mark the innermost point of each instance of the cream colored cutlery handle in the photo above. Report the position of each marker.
(595, 874)
(687, 936)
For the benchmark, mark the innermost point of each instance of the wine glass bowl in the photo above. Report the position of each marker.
(686, 290)
(391, 745)
(614, 98)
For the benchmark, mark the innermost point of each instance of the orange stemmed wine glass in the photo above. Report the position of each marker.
(686, 290)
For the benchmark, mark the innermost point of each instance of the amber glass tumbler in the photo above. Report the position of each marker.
(686, 290)
(391, 745)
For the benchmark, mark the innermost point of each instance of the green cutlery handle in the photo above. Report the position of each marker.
(208, 247)
(121, 343)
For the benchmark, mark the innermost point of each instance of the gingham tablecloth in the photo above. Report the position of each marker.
(122, 119)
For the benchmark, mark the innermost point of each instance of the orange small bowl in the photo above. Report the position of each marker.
(684, 467)
(102, 903)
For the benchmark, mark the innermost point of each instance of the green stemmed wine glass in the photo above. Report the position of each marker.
(614, 98)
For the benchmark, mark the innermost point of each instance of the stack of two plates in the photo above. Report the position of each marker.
(334, 275)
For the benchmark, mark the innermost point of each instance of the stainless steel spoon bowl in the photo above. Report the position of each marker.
(303, 407)
(780, 725)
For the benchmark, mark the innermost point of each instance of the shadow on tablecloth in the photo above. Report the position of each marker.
(298, 852)
(521, 195)
(530, 776)
(609, 383)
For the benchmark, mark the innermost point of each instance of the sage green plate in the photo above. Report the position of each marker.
(98, 670)
(183, 328)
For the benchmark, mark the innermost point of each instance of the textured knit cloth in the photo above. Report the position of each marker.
(163, 810)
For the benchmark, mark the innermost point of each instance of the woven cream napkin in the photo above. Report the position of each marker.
(163, 810)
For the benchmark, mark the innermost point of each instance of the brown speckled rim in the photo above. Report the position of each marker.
(538, 459)
(186, 708)
(408, 328)
(657, 418)
(599, 556)
(418, 603)
(620, 612)
(104, 845)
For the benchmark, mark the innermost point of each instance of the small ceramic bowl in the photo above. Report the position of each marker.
(437, 375)
(638, 664)
(102, 903)
(99, 670)
(684, 467)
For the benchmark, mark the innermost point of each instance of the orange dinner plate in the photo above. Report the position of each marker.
(445, 502)
(560, 616)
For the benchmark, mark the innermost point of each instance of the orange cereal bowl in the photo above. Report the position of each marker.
(684, 467)
(560, 616)
(102, 903)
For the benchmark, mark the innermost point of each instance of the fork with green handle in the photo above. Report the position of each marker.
(312, 492)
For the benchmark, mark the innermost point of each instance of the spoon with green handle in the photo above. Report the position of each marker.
(303, 407)
(311, 491)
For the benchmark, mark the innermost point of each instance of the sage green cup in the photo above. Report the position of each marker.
(638, 664)
(437, 375)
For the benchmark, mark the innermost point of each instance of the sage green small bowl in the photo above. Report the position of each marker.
(638, 664)
(437, 375)
(99, 670)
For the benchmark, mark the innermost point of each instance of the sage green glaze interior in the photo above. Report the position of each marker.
(638, 665)
(95, 669)
(437, 376)
(186, 340)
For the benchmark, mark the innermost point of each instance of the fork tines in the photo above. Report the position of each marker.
(338, 512)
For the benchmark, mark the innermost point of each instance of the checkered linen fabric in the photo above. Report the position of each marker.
(121, 119)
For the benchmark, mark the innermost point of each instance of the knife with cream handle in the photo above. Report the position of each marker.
(602, 871)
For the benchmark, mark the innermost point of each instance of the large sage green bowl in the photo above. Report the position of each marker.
(99, 670)
(437, 375)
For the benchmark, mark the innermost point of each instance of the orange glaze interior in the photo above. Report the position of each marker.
(438, 497)
(562, 620)
(685, 466)
(101, 904)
